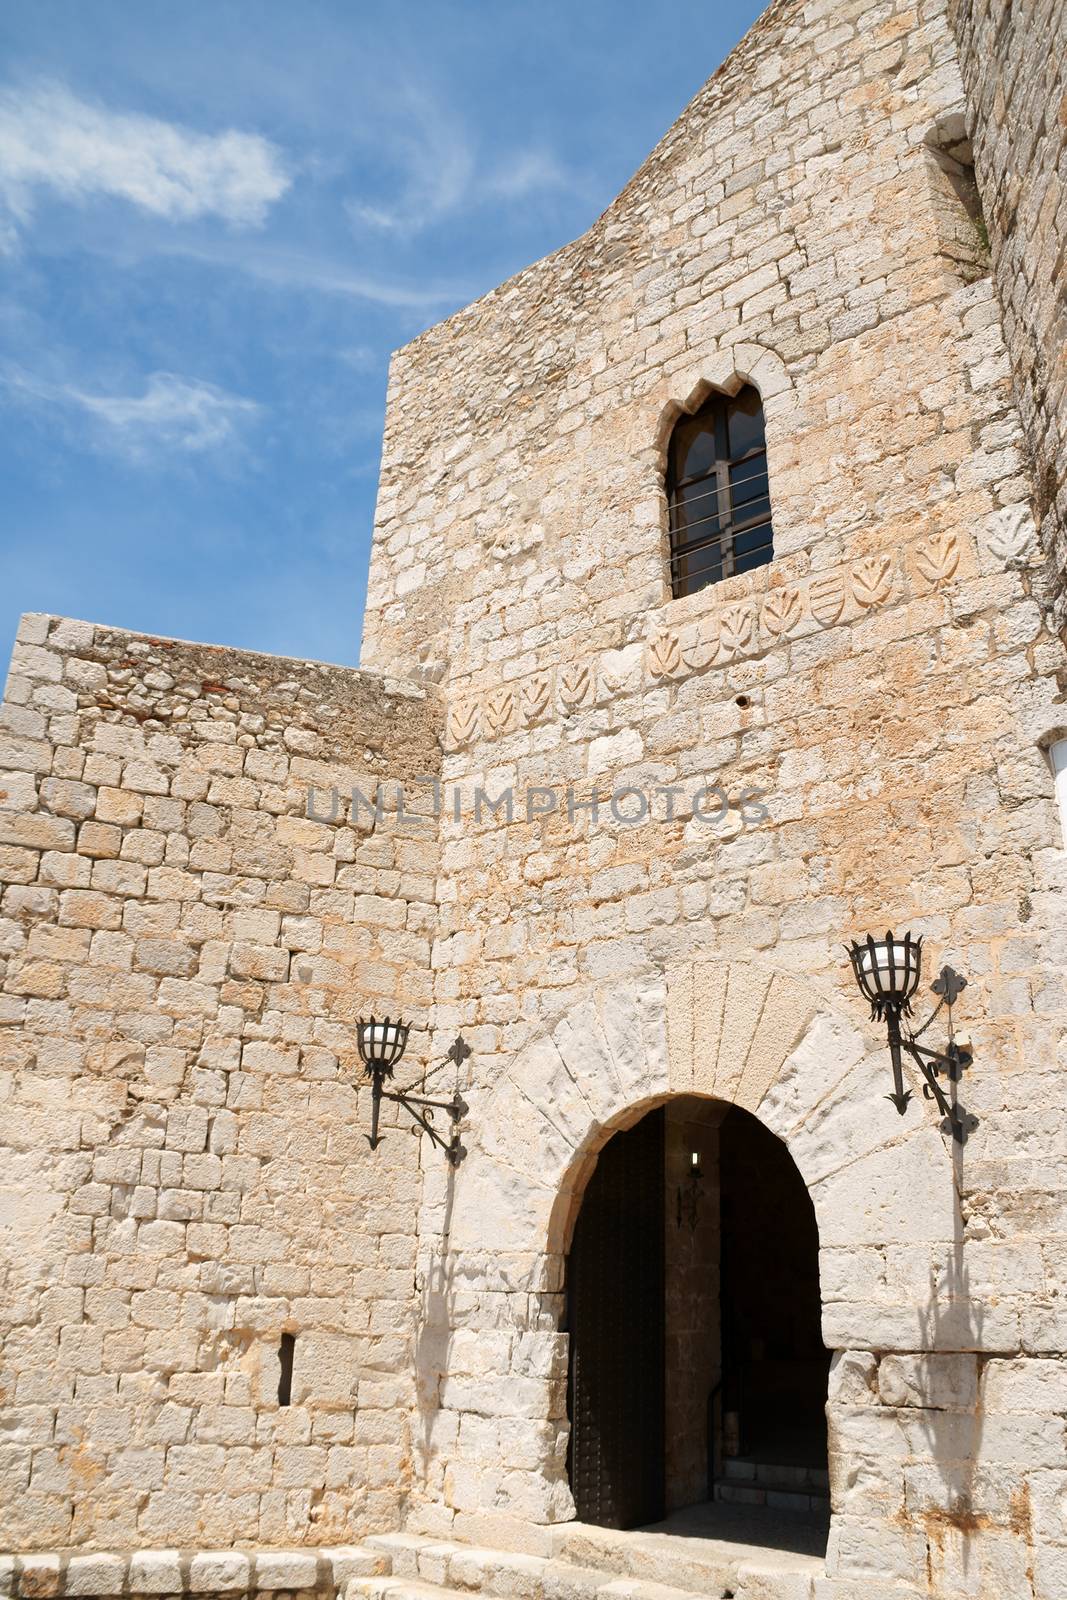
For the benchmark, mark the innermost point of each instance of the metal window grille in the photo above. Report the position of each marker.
(717, 492)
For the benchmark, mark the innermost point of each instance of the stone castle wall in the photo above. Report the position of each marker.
(883, 685)
(183, 955)
(1014, 64)
(185, 950)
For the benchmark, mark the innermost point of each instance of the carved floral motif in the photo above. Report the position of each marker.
(500, 710)
(535, 697)
(783, 610)
(620, 670)
(725, 633)
(872, 580)
(938, 559)
(1011, 536)
(463, 721)
(737, 629)
(664, 655)
(576, 685)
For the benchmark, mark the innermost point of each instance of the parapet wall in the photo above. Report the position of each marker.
(183, 955)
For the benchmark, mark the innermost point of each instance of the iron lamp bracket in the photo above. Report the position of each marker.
(421, 1109)
(949, 1063)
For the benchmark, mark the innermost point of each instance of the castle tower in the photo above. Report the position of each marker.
(714, 619)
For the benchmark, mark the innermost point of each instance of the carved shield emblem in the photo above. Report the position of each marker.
(826, 597)
(702, 645)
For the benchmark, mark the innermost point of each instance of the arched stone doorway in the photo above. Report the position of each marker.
(697, 1373)
(491, 1433)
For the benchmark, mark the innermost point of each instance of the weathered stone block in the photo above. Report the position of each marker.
(95, 1574)
(287, 1569)
(937, 1382)
(218, 1572)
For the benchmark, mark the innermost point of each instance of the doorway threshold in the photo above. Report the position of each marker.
(712, 1555)
(759, 1527)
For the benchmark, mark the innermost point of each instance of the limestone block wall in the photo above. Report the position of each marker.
(786, 221)
(883, 684)
(185, 949)
(1014, 64)
(183, 956)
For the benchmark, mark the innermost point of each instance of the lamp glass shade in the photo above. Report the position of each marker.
(887, 970)
(381, 1043)
(884, 963)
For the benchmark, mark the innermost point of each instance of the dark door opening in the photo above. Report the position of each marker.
(697, 1371)
(615, 1295)
(774, 1364)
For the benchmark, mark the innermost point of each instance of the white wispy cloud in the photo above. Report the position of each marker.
(50, 139)
(173, 413)
(439, 173)
(433, 155)
(287, 268)
(528, 171)
(360, 357)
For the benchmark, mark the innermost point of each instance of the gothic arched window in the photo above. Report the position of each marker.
(717, 492)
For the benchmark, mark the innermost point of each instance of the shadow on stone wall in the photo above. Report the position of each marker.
(949, 1416)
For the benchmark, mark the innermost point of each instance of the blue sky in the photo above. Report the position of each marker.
(218, 219)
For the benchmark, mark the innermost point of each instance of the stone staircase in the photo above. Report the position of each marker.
(586, 1563)
(571, 1561)
(780, 1487)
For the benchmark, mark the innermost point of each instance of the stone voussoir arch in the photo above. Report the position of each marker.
(741, 1032)
(495, 1237)
(726, 370)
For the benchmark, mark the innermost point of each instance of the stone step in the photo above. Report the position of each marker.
(393, 1589)
(587, 1563)
(776, 1485)
(95, 1575)
(705, 1566)
(558, 1581)
(775, 1498)
(774, 1475)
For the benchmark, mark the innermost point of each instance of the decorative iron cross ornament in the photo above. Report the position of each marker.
(887, 971)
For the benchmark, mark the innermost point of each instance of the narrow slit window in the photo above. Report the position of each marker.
(718, 495)
(285, 1361)
(1058, 759)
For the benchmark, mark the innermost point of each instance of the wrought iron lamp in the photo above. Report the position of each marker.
(381, 1045)
(888, 972)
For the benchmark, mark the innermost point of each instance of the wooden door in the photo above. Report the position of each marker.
(615, 1317)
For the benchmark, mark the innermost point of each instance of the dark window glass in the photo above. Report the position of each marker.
(745, 419)
(695, 510)
(717, 492)
(695, 447)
